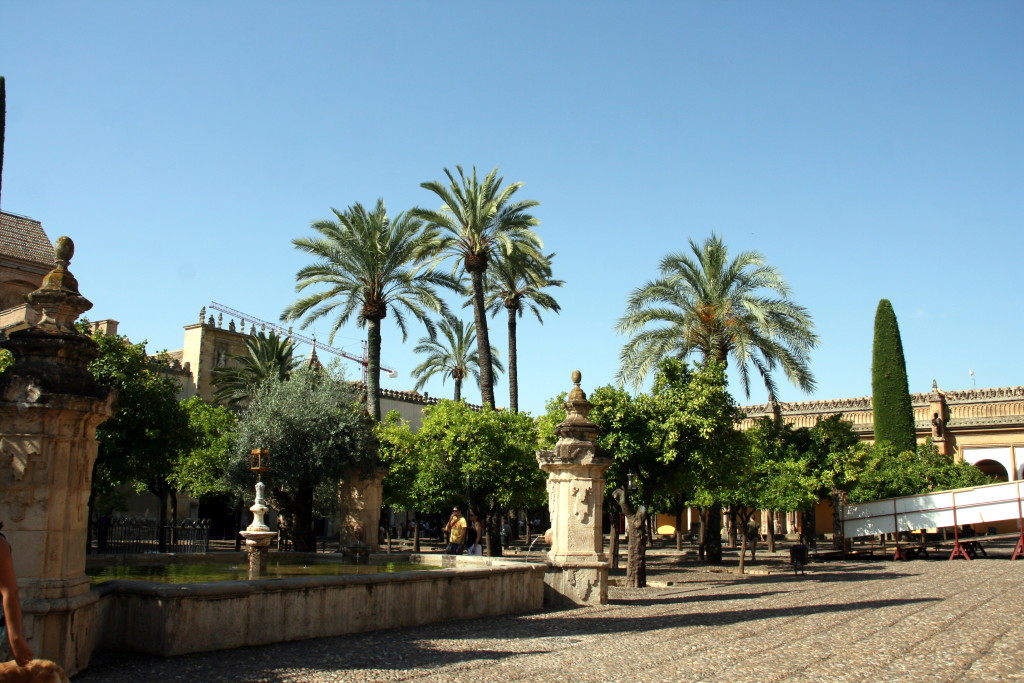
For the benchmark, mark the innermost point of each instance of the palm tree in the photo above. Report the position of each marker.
(452, 353)
(718, 309)
(516, 283)
(481, 222)
(371, 265)
(269, 356)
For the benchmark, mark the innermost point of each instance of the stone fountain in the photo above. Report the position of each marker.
(258, 535)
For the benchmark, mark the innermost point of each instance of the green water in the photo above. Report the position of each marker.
(204, 572)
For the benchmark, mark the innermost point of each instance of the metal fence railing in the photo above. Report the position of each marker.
(123, 535)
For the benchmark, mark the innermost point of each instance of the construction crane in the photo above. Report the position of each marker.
(264, 325)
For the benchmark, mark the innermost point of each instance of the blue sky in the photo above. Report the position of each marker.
(869, 150)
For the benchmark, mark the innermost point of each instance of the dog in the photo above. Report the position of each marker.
(36, 671)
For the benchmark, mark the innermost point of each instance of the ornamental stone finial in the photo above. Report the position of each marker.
(577, 407)
(58, 299)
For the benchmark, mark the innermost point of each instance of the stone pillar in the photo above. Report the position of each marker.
(576, 466)
(50, 406)
(360, 496)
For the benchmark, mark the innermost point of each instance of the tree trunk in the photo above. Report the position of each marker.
(415, 532)
(458, 389)
(298, 510)
(613, 541)
(492, 530)
(172, 497)
(483, 339)
(838, 499)
(636, 558)
(679, 530)
(713, 535)
(743, 554)
(513, 368)
(702, 531)
(771, 531)
(162, 518)
(732, 527)
(807, 526)
(636, 551)
(373, 367)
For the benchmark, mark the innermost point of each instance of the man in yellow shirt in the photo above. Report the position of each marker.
(456, 530)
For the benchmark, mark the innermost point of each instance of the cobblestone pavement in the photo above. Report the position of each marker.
(925, 620)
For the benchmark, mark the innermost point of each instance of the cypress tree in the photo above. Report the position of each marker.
(890, 393)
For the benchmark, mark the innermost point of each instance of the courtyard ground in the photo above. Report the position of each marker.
(924, 620)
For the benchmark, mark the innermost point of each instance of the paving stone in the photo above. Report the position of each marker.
(925, 620)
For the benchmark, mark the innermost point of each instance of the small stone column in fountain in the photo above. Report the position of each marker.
(576, 466)
(50, 406)
(360, 496)
(258, 535)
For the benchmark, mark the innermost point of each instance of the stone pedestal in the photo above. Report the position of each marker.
(360, 496)
(257, 545)
(575, 467)
(258, 535)
(50, 407)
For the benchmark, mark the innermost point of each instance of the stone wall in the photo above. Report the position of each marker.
(167, 620)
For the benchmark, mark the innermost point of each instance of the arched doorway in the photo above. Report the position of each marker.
(993, 469)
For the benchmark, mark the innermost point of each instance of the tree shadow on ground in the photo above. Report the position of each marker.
(434, 646)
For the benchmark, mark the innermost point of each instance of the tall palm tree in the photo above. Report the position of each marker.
(719, 309)
(481, 222)
(371, 265)
(451, 353)
(269, 356)
(516, 283)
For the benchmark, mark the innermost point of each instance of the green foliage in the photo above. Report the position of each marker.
(890, 393)
(626, 424)
(696, 426)
(316, 431)
(6, 359)
(487, 454)
(889, 473)
(780, 475)
(137, 444)
(369, 265)
(718, 309)
(515, 283)
(398, 453)
(269, 356)
(480, 221)
(453, 354)
(202, 460)
(837, 454)
(554, 415)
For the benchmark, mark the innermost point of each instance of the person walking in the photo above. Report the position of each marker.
(456, 530)
(12, 639)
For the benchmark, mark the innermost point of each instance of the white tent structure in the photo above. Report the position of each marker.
(976, 505)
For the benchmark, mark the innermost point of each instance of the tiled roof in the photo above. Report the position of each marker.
(24, 238)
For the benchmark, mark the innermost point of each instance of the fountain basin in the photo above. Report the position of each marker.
(173, 619)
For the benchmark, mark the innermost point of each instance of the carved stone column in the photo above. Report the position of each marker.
(360, 497)
(50, 406)
(576, 466)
